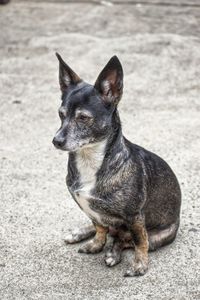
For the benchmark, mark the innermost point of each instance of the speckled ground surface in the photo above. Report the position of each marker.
(159, 47)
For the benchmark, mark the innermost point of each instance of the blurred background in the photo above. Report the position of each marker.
(158, 43)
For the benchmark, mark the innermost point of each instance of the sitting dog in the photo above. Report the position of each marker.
(123, 188)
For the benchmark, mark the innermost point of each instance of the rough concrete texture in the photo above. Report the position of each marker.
(159, 47)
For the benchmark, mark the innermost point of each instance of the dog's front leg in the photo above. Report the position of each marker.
(140, 238)
(97, 243)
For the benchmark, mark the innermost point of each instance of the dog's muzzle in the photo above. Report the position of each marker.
(58, 142)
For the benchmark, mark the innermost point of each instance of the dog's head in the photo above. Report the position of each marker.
(86, 110)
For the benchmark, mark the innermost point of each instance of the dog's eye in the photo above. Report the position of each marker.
(83, 118)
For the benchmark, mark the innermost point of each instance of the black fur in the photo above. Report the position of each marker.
(132, 184)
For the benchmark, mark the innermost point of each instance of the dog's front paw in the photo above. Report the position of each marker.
(112, 258)
(91, 247)
(139, 269)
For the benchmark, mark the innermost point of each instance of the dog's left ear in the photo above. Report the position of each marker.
(110, 81)
(67, 76)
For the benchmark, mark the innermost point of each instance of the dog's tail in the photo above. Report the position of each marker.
(162, 236)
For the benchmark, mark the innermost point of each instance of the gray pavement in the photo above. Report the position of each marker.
(159, 47)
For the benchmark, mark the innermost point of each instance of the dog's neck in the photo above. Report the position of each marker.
(92, 155)
(90, 158)
(88, 162)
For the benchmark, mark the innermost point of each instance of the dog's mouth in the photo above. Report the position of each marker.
(72, 148)
(61, 148)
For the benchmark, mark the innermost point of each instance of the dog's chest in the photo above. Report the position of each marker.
(88, 163)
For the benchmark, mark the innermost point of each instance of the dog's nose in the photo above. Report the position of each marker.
(58, 142)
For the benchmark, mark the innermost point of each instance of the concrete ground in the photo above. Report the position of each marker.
(159, 47)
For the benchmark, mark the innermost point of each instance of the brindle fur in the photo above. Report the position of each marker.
(136, 194)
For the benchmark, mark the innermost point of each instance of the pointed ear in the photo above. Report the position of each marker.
(110, 81)
(67, 76)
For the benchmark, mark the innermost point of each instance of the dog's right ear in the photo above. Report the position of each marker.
(110, 81)
(67, 76)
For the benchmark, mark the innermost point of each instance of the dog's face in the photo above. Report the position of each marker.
(86, 111)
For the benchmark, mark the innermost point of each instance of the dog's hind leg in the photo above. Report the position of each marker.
(162, 236)
(80, 234)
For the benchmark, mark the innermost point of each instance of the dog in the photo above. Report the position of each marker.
(124, 189)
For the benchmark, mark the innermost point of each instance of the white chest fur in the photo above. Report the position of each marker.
(88, 161)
